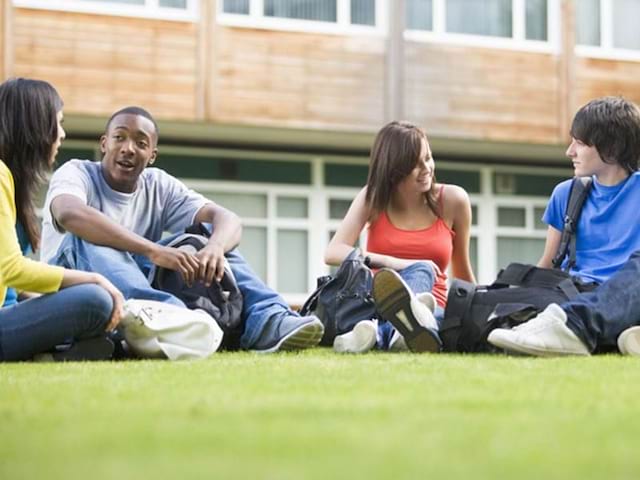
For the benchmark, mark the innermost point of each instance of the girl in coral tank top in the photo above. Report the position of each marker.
(416, 229)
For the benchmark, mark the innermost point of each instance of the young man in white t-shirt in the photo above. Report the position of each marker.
(109, 217)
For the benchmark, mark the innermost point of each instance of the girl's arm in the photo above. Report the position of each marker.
(348, 232)
(458, 206)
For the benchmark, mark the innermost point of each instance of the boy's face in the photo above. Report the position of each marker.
(128, 147)
(586, 160)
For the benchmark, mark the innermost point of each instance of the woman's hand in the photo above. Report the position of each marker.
(78, 277)
(118, 302)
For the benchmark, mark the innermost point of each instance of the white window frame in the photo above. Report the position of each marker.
(518, 41)
(151, 9)
(342, 26)
(606, 50)
(272, 224)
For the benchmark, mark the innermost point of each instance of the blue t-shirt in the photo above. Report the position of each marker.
(12, 296)
(608, 229)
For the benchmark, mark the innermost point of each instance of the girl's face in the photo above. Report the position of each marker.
(421, 177)
(60, 137)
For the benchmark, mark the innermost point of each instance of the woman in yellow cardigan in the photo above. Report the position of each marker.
(85, 305)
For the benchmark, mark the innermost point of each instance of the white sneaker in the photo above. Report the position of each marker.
(544, 335)
(397, 343)
(629, 342)
(161, 330)
(359, 340)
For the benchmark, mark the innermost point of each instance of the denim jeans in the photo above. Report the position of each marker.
(39, 324)
(599, 316)
(130, 273)
(420, 278)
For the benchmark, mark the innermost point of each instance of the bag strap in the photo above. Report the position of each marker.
(527, 275)
(579, 190)
(312, 302)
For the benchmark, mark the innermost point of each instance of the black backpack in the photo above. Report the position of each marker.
(222, 300)
(342, 300)
(519, 292)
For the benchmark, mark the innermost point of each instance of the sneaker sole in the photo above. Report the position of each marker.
(510, 347)
(629, 342)
(306, 336)
(364, 339)
(393, 303)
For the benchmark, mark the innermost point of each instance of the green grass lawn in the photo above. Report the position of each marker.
(318, 415)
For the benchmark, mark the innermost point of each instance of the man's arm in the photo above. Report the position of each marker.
(88, 223)
(226, 233)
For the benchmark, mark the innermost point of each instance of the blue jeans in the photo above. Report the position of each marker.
(599, 316)
(39, 324)
(420, 278)
(130, 273)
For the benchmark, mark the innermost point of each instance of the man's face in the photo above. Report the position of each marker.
(128, 147)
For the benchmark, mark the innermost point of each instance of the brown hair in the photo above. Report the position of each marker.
(395, 153)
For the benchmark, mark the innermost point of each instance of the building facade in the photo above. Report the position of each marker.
(269, 107)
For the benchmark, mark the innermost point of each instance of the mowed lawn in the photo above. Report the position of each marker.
(318, 415)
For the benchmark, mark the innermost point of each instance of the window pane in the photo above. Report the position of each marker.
(480, 17)
(243, 204)
(536, 20)
(473, 254)
(470, 181)
(419, 14)
(236, 6)
(339, 175)
(363, 12)
(511, 217)
(289, 207)
(292, 261)
(626, 33)
(588, 22)
(537, 218)
(474, 215)
(319, 10)
(253, 247)
(183, 165)
(130, 2)
(524, 184)
(173, 3)
(338, 208)
(522, 250)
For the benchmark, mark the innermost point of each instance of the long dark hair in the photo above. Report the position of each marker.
(28, 131)
(395, 153)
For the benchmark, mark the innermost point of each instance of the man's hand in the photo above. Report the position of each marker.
(174, 259)
(211, 259)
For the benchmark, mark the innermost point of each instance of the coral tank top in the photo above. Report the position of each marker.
(432, 243)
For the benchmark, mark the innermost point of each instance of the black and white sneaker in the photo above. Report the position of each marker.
(396, 303)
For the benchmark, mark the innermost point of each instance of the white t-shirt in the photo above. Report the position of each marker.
(160, 202)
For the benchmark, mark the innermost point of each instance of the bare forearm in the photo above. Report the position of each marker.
(227, 232)
(95, 227)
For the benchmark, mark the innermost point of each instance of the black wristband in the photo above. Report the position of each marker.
(367, 261)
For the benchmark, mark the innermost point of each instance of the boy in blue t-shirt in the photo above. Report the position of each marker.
(605, 144)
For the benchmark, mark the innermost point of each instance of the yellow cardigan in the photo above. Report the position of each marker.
(16, 270)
